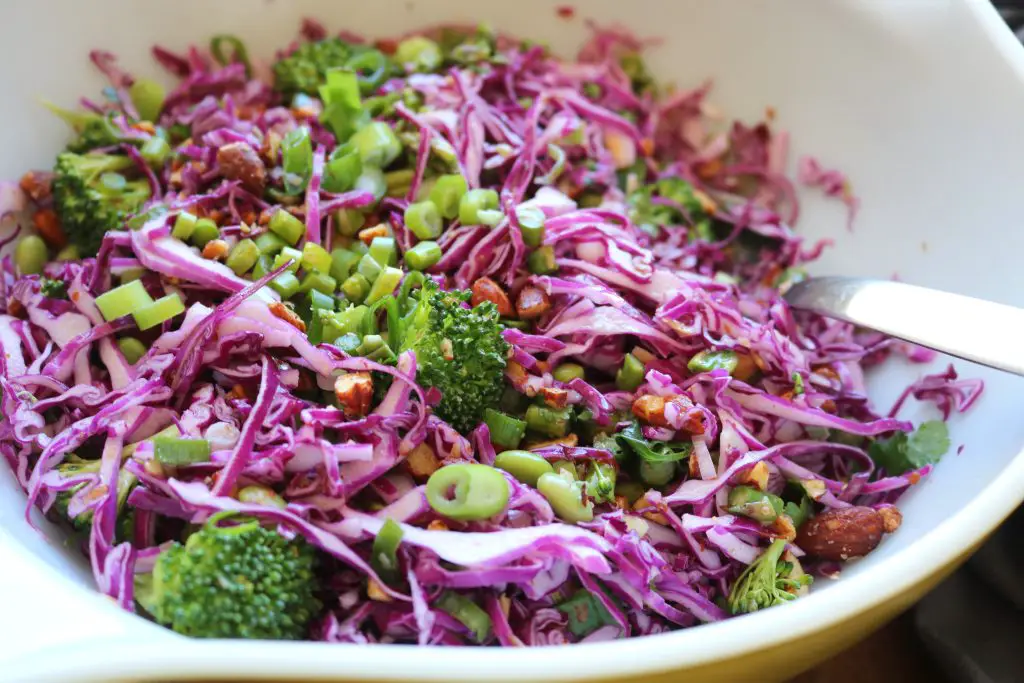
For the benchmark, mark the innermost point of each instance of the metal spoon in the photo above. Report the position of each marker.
(973, 329)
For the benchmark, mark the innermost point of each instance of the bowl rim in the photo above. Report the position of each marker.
(145, 650)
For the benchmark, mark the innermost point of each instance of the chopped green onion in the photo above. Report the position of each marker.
(288, 254)
(586, 614)
(706, 361)
(322, 301)
(631, 374)
(159, 311)
(290, 228)
(148, 97)
(238, 52)
(371, 67)
(184, 226)
(269, 243)
(175, 452)
(553, 422)
(446, 194)
(475, 201)
(398, 182)
(286, 284)
(757, 505)
(423, 255)
(205, 231)
(243, 257)
(531, 225)
(541, 260)
(68, 253)
(342, 171)
(384, 555)
(296, 159)
(342, 263)
(319, 282)
(418, 53)
(377, 144)
(567, 372)
(263, 266)
(355, 287)
(384, 284)
(506, 431)
(349, 222)
(368, 267)
(132, 349)
(155, 151)
(424, 220)
(372, 180)
(383, 251)
(343, 109)
(123, 300)
(359, 248)
(30, 255)
(315, 257)
(349, 343)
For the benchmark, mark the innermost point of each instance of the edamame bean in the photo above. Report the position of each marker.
(260, 495)
(525, 466)
(467, 492)
(566, 497)
(30, 255)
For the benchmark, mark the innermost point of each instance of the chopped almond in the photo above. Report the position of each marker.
(569, 441)
(354, 392)
(237, 391)
(215, 250)
(532, 302)
(486, 289)
(153, 466)
(891, 518)
(756, 476)
(621, 502)
(783, 528)
(650, 409)
(36, 186)
(48, 226)
(556, 398)
(505, 603)
(706, 202)
(144, 126)
(421, 461)
(285, 313)
(437, 525)
(367, 235)
(746, 367)
(375, 592)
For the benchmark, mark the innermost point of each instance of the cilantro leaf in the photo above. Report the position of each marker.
(904, 452)
(632, 438)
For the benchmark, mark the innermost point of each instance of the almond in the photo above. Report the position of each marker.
(486, 289)
(532, 302)
(38, 186)
(556, 398)
(354, 392)
(842, 534)
(239, 161)
(285, 313)
(650, 409)
(48, 226)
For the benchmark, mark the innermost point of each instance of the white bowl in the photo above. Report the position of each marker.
(919, 101)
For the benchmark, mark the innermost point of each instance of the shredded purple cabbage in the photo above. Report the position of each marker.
(663, 276)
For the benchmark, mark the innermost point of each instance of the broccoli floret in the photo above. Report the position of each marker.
(459, 351)
(239, 581)
(73, 467)
(91, 196)
(93, 130)
(305, 69)
(54, 289)
(767, 582)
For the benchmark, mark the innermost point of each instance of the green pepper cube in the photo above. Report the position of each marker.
(123, 300)
(159, 311)
(287, 226)
(175, 452)
(542, 260)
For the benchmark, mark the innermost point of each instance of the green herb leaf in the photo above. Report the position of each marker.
(902, 452)
(632, 438)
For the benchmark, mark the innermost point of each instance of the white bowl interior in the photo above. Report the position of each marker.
(918, 102)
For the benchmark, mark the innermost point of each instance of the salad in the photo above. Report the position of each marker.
(438, 340)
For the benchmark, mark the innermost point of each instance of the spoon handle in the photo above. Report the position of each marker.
(973, 329)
